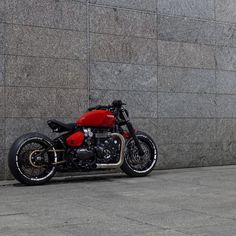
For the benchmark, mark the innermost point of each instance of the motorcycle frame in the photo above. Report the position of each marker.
(117, 130)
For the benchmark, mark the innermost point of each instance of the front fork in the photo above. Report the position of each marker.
(133, 135)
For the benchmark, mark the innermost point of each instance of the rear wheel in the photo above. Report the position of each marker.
(135, 165)
(28, 162)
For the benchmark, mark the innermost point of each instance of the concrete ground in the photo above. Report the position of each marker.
(182, 202)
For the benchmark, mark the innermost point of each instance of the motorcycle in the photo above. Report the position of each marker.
(97, 140)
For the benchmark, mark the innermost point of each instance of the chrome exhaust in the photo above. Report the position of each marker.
(122, 155)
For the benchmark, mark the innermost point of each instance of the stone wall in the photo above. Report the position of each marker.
(172, 61)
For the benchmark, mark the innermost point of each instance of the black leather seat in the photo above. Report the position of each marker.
(59, 127)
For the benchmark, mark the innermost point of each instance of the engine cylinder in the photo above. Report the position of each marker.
(84, 154)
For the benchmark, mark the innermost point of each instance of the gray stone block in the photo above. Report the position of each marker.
(123, 49)
(192, 8)
(15, 127)
(2, 103)
(149, 5)
(45, 102)
(2, 61)
(226, 106)
(2, 38)
(116, 76)
(2, 133)
(67, 14)
(172, 79)
(198, 154)
(186, 105)
(225, 82)
(2, 11)
(122, 22)
(225, 58)
(186, 55)
(2, 163)
(188, 155)
(226, 131)
(8, 175)
(44, 42)
(186, 130)
(225, 154)
(226, 34)
(226, 10)
(71, 102)
(139, 104)
(41, 72)
(30, 102)
(147, 125)
(184, 29)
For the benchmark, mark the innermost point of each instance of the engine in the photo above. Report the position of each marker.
(108, 150)
(99, 147)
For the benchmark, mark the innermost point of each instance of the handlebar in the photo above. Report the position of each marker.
(115, 104)
(99, 107)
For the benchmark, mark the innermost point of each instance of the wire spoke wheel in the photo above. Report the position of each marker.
(136, 161)
(31, 158)
(135, 165)
(35, 165)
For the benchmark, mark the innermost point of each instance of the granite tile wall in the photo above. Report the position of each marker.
(172, 61)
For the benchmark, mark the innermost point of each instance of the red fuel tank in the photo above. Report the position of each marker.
(97, 118)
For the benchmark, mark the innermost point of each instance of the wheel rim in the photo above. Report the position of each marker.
(137, 163)
(43, 169)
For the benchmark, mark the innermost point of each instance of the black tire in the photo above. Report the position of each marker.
(15, 159)
(148, 141)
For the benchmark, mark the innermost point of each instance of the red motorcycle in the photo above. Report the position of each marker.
(96, 141)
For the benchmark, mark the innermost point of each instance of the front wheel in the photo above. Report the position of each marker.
(28, 161)
(135, 165)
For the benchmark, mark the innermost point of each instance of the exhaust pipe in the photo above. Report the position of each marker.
(122, 155)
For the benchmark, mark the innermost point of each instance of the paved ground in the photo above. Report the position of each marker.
(199, 201)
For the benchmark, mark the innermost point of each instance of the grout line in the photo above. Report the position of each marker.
(189, 17)
(127, 9)
(4, 102)
(43, 57)
(161, 91)
(132, 117)
(154, 38)
(106, 33)
(124, 35)
(48, 87)
(216, 66)
(147, 12)
(41, 27)
(157, 32)
(88, 51)
(123, 8)
(115, 62)
(165, 66)
(195, 118)
(119, 90)
(165, 14)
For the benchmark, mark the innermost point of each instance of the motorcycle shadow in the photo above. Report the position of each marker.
(81, 178)
(91, 178)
